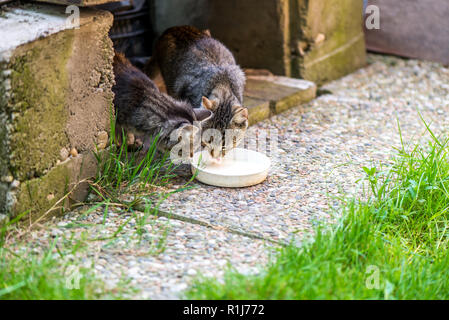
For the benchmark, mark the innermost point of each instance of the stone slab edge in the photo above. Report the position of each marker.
(35, 21)
(261, 109)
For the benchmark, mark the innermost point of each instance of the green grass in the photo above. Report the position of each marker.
(392, 246)
(135, 182)
(28, 272)
(28, 276)
(121, 172)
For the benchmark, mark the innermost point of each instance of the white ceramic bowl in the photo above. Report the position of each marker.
(239, 168)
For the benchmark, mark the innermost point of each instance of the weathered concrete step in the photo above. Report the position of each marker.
(55, 95)
(269, 95)
(266, 95)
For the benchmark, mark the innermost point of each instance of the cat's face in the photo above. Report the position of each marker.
(228, 123)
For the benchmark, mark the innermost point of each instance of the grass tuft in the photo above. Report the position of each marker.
(120, 171)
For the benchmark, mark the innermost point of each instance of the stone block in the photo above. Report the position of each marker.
(256, 31)
(170, 13)
(327, 41)
(258, 109)
(317, 40)
(282, 92)
(55, 85)
(62, 186)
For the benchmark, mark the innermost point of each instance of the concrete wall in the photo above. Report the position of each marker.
(256, 32)
(56, 97)
(169, 13)
(327, 41)
(317, 40)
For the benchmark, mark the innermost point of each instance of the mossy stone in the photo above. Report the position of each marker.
(328, 39)
(258, 109)
(38, 195)
(55, 92)
(39, 85)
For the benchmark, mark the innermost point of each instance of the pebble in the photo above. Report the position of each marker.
(191, 272)
(8, 178)
(56, 232)
(130, 138)
(15, 184)
(63, 154)
(320, 38)
(73, 152)
(134, 271)
(102, 140)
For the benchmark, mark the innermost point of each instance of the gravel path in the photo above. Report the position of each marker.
(188, 250)
(322, 147)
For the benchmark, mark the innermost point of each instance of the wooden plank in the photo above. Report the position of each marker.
(412, 28)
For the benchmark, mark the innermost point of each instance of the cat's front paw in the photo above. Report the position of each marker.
(130, 139)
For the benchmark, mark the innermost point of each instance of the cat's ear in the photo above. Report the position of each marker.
(244, 113)
(208, 104)
(240, 111)
(240, 118)
(202, 114)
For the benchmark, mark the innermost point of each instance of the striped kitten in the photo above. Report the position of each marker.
(201, 70)
(144, 112)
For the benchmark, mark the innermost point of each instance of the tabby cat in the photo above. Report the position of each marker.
(201, 70)
(144, 112)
